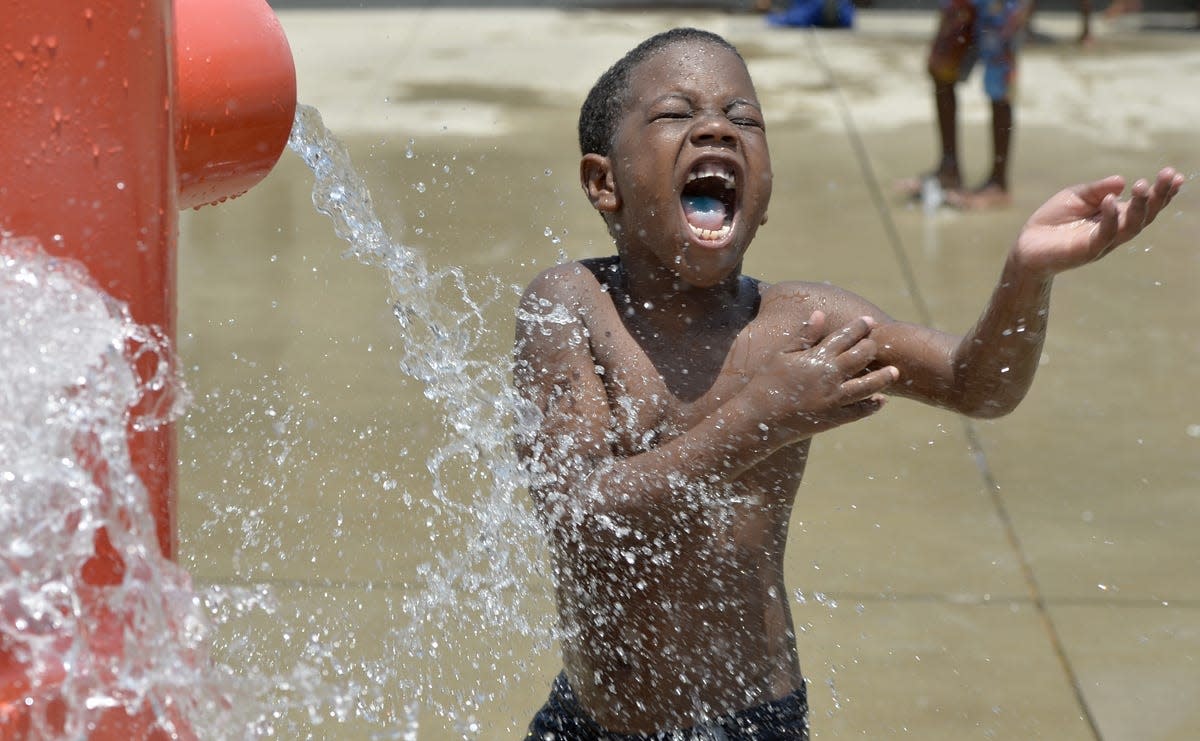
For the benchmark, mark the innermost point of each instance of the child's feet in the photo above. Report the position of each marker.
(987, 196)
(912, 188)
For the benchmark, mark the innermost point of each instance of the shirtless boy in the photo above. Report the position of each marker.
(676, 398)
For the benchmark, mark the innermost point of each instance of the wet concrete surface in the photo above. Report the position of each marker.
(1030, 577)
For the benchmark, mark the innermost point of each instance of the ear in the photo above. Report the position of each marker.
(596, 177)
(764, 219)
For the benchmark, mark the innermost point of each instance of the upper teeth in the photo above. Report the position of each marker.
(714, 170)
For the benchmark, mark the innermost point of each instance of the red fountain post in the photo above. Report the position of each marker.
(116, 114)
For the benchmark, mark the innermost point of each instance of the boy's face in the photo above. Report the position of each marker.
(690, 168)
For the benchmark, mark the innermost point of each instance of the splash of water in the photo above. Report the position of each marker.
(489, 583)
(72, 391)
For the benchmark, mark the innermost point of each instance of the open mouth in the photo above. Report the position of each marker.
(709, 201)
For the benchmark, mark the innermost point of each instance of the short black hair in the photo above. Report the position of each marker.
(605, 103)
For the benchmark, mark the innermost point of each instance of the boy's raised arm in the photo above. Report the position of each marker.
(989, 370)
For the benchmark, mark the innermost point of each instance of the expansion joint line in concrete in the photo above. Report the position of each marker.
(978, 453)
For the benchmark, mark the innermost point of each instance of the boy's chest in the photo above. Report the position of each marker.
(658, 387)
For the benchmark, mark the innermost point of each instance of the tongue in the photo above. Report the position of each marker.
(704, 212)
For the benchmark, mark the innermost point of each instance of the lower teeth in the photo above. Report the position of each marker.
(710, 235)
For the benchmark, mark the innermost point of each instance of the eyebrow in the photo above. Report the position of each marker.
(687, 99)
(744, 101)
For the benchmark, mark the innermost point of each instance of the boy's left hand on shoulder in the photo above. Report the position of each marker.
(1084, 223)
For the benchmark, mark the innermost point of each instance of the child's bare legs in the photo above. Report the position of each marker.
(948, 63)
(999, 59)
(946, 171)
(946, 99)
(993, 192)
(1002, 121)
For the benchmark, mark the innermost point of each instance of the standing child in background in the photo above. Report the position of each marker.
(672, 399)
(969, 31)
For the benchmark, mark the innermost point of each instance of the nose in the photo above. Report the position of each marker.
(714, 129)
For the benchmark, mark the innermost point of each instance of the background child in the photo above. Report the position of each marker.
(971, 31)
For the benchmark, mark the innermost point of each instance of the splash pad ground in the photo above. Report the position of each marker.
(1031, 578)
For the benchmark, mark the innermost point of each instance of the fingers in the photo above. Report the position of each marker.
(853, 349)
(841, 341)
(1138, 209)
(807, 335)
(1105, 235)
(850, 349)
(1095, 192)
(1121, 222)
(1166, 185)
(861, 409)
(810, 332)
(870, 384)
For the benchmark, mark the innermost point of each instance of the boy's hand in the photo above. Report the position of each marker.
(1086, 222)
(818, 381)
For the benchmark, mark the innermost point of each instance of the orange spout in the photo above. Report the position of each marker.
(116, 114)
(236, 97)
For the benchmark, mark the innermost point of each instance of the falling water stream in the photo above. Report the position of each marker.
(70, 355)
(483, 587)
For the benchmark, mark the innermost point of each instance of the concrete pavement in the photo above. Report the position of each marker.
(1033, 577)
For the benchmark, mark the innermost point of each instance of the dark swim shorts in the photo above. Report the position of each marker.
(785, 719)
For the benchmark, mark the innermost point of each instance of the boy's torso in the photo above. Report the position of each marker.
(694, 620)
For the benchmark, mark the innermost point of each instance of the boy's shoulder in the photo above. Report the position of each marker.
(577, 287)
(574, 271)
(804, 297)
(575, 278)
(803, 290)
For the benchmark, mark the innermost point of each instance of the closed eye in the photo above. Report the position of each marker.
(745, 113)
(747, 122)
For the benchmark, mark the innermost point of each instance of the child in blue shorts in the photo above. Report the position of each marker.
(971, 31)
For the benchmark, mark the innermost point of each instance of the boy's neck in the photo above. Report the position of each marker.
(659, 296)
